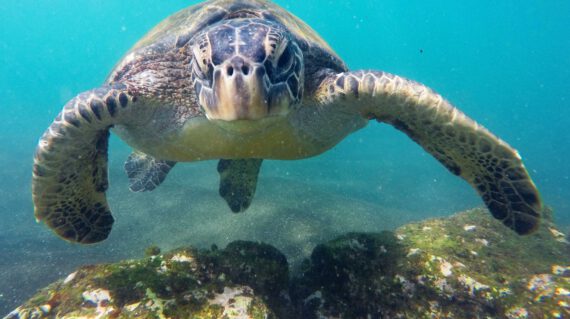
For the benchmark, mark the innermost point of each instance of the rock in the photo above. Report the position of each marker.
(350, 276)
(152, 250)
(465, 266)
(180, 284)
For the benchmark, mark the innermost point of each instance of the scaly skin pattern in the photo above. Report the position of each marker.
(245, 79)
(180, 27)
(238, 181)
(464, 147)
(165, 47)
(70, 165)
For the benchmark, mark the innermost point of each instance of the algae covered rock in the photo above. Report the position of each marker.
(465, 266)
(185, 283)
(350, 276)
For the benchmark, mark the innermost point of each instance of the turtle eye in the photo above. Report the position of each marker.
(285, 59)
(204, 65)
(202, 72)
(197, 69)
(201, 60)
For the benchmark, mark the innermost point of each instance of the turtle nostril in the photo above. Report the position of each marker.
(230, 71)
(245, 69)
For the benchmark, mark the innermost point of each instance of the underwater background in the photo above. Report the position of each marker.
(506, 64)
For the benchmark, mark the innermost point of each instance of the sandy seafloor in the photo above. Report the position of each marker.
(505, 64)
(298, 204)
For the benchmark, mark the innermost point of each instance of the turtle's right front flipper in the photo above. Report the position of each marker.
(465, 148)
(70, 165)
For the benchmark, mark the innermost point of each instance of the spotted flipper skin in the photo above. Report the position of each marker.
(70, 165)
(238, 181)
(464, 147)
(146, 172)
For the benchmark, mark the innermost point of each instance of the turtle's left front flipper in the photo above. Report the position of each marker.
(70, 165)
(465, 148)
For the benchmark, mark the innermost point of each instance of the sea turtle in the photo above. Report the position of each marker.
(242, 81)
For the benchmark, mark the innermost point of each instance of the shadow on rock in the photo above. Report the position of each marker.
(352, 276)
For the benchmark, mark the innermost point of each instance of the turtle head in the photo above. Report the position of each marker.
(246, 69)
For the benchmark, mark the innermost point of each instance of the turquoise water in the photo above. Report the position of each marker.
(505, 64)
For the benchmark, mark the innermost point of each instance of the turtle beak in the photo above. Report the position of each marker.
(243, 91)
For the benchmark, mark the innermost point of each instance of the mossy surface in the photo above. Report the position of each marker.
(184, 283)
(465, 266)
(344, 273)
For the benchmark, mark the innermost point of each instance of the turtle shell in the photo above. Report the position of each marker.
(180, 27)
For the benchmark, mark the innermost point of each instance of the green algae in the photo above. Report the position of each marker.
(344, 271)
(261, 265)
(178, 284)
(439, 268)
(130, 280)
(152, 250)
(464, 266)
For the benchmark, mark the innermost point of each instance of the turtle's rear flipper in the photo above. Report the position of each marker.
(465, 148)
(70, 165)
(238, 180)
(146, 172)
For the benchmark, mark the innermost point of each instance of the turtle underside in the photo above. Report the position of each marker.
(243, 81)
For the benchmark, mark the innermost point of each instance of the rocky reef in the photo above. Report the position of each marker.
(464, 266)
(241, 281)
